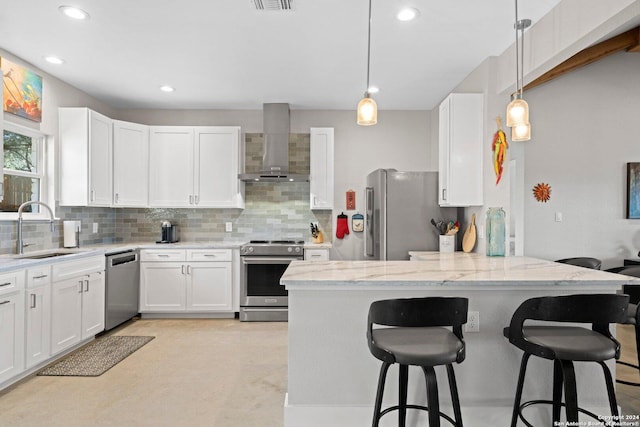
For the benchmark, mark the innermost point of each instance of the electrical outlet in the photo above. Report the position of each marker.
(473, 322)
(95, 227)
(228, 227)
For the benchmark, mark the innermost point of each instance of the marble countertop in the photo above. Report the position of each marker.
(435, 268)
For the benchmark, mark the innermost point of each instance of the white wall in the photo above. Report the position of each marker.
(584, 133)
(55, 93)
(401, 140)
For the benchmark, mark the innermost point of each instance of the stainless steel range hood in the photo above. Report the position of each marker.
(275, 159)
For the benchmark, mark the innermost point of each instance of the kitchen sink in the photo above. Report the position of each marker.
(47, 254)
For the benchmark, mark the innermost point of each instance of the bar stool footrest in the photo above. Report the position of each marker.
(550, 402)
(420, 407)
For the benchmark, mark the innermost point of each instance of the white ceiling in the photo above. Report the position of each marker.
(227, 55)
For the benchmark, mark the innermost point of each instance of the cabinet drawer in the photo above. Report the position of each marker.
(37, 276)
(209, 255)
(81, 267)
(10, 282)
(162, 255)
(316, 254)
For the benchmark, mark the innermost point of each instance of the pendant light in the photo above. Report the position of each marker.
(518, 109)
(367, 107)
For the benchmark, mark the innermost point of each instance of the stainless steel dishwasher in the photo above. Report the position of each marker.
(122, 288)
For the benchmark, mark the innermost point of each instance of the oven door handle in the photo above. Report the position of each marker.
(265, 260)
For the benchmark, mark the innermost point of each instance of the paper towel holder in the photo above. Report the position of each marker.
(72, 234)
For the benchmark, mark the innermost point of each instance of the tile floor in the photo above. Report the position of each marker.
(217, 372)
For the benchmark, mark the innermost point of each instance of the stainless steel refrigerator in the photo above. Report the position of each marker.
(399, 208)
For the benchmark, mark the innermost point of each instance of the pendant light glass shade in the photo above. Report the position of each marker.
(367, 111)
(521, 132)
(517, 113)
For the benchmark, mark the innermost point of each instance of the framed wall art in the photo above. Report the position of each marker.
(633, 190)
(22, 89)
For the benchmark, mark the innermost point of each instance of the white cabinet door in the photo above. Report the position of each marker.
(85, 157)
(130, 164)
(216, 167)
(209, 286)
(11, 334)
(38, 333)
(100, 159)
(93, 294)
(66, 313)
(321, 168)
(162, 286)
(460, 150)
(171, 166)
(316, 254)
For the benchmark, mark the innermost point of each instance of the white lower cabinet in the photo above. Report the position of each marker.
(77, 302)
(162, 287)
(316, 254)
(38, 315)
(209, 286)
(186, 284)
(11, 324)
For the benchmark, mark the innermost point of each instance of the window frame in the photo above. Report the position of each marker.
(43, 166)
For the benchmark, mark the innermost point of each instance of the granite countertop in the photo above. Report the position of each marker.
(458, 268)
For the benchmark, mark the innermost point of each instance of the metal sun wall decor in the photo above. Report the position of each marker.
(22, 89)
(633, 190)
(542, 192)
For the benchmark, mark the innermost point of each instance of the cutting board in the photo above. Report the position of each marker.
(469, 238)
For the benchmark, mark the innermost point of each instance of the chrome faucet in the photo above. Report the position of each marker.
(20, 244)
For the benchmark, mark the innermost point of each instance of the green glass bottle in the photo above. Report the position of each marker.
(495, 232)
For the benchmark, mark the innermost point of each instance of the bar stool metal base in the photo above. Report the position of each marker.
(563, 377)
(550, 402)
(432, 397)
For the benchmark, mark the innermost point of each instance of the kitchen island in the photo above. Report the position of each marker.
(332, 376)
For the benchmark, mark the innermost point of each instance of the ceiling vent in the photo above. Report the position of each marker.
(273, 5)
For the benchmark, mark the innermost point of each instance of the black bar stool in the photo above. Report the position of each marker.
(585, 262)
(418, 337)
(566, 344)
(633, 315)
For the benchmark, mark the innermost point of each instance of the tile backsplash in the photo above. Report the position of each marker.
(272, 211)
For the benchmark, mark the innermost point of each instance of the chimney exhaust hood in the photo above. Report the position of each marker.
(275, 160)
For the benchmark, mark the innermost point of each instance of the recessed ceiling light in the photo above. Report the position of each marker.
(167, 88)
(54, 60)
(373, 89)
(407, 14)
(74, 13)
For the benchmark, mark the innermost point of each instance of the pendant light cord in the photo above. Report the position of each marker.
(518, 91)
(522, 27)
(366, 92)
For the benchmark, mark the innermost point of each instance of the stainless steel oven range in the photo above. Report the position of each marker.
(263, 262)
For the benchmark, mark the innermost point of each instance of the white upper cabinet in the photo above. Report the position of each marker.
(130, 164)
(85, 158)
(170, 166)
(217, 164)
(195, 167)
(460, 150)
(321, 168)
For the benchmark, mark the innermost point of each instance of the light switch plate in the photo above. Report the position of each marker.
(95, 227)
(228, 227)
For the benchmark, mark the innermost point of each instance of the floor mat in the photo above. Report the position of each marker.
(97, 357)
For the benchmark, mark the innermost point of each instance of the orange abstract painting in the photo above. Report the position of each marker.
(22, 90)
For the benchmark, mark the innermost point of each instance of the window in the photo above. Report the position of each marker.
(24, 171)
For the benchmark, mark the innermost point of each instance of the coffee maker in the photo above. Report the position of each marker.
(169, 233)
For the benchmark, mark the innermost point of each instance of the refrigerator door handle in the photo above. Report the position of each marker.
(368, 235)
